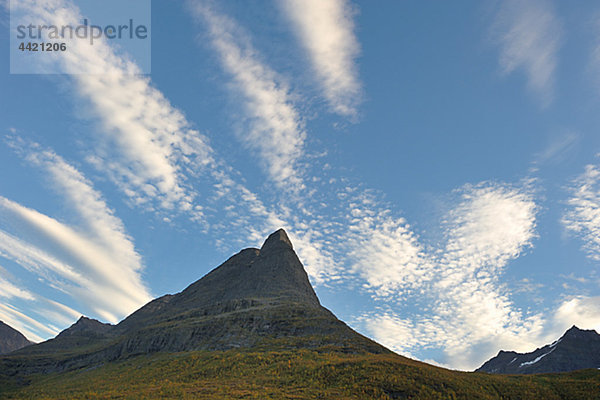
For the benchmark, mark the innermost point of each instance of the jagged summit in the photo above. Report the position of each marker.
(252, 277)
(575, 332)
(277, 240)
(575, 349)
(272, 272)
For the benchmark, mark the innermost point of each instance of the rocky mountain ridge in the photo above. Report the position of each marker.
(576, 349)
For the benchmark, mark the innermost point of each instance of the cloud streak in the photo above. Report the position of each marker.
(583, 215)
(529, 35)
(49, 312)
(145, 142)
(25, 324)
(8, 290)
(96, 263)
(148, 148)
(326, 31)
(276, 130)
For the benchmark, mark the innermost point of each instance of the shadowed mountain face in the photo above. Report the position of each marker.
(576, 349)
(251, 278)
(11, 339)
(257, 299)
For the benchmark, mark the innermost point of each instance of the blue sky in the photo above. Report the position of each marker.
(435, 165)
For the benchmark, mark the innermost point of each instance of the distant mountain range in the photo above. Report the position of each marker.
(576, 349)
(11, 339)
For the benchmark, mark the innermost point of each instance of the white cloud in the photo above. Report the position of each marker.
(50, 312)
(385, 252)
(558, 149)
(491, 225)
(582, 311)
(25, 324)
(466, 311)
(59, 314)
(8, 290)
(407, 334)
(276, 129)
(529, 35)
(583, 216)
(398, 334)
(87, 270)
(326, 30)
(96, 263)
(145, 142)
(98, 219)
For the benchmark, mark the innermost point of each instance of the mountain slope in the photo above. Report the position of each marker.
(297, 374)
(251, 328)
(576, 349)
(259, 298)
(11, 339)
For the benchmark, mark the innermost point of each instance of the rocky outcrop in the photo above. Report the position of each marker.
(576, 349)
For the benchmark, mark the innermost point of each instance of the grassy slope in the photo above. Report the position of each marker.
(302, 374)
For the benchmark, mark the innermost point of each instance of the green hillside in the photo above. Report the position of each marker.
(301, 374)
(252, 328)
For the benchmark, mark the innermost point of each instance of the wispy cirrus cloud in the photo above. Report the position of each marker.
(149, 149)
(95, 262)
(67, 259)
(326, 31)
(276, 130)
(529, 35)
(145, 145)
(51, 313)
(594, 58)
(8, 290)
(25, 324)
(583, 215)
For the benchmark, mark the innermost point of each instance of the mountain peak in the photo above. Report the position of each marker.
(86, 325)
(259, 299)
(276, 240)
(252, 277)
(574, 332)
(576, 349)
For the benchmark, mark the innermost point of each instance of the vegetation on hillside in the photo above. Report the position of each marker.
(300, 374)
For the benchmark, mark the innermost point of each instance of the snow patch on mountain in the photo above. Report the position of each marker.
(536, 360)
